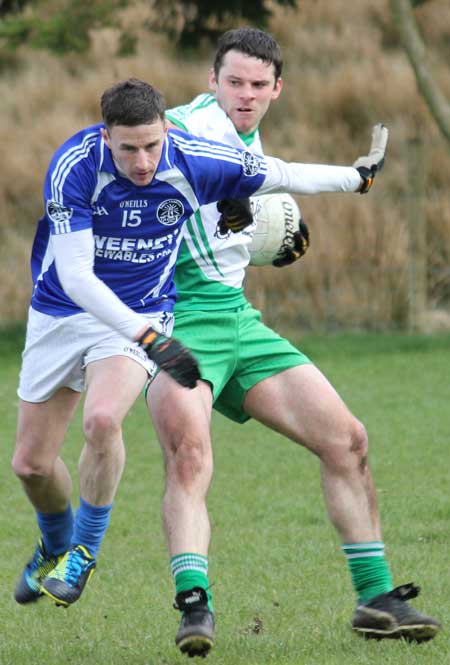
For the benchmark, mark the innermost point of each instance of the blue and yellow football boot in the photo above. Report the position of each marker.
(65, 583)
(28, 588)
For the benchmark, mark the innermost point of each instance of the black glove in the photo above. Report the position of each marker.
(369, 165)
(171, 356)
(290, 253)
(236, 215)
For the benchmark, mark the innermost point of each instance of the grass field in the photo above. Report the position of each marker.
(281, 588)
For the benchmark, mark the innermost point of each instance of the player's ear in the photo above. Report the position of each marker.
(212, 80)
(277, 88)
(104, 133)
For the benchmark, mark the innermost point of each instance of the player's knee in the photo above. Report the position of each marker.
(28, 468)
(190, 461)
(350, 450)
(100, 425)
(359, 446)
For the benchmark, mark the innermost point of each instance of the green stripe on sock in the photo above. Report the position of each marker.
(189, 561)
(369, 569)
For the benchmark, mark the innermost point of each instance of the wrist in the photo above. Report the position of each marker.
(366, 176)
(147, 336)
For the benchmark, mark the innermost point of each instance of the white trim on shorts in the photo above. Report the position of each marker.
(58, 349)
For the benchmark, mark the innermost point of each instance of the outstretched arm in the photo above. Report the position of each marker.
(298, 178)
(316, 178)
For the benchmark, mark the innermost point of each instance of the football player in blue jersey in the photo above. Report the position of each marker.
(248, 371)
(99, 316)
(116, 196)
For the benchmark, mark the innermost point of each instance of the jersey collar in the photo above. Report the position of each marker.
(248, 138)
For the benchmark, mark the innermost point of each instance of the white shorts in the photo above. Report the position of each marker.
(58, 349)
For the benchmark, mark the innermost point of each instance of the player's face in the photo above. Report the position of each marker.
(244, 89)
(136, 150)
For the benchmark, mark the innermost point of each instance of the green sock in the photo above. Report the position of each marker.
(369, 569)
(191, 570)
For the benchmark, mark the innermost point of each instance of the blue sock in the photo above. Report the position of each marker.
(56, 530)
(90, 526)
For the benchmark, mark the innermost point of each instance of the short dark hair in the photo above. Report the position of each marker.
(250, 41)
(132, 102)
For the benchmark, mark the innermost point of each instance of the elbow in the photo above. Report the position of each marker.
(70, 283)
(71, 291)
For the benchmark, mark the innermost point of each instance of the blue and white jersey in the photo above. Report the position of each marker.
(137, 230)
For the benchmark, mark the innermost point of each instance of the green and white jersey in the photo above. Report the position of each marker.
(211, 266)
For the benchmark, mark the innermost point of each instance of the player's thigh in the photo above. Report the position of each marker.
(301, 404)
(112, 386)
(212, 337)
(178, 413)
(260, 353)
(41, 426)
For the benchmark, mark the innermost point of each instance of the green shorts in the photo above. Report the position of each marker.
(235, 351)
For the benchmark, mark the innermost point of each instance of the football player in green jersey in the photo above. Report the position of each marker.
(249, 371)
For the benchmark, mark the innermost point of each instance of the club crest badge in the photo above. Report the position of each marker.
(60, 215)
(250, 163)
(170, 211)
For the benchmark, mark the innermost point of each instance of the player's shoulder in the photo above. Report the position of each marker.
(198, 158)
(75, 163)
(190, 145)
(196, 116)
(198, 105)
(77, 147)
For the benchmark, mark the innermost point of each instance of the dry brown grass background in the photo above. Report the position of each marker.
(344, 71)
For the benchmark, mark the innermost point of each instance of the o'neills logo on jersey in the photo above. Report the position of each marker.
(250, 163)
(170, 211)
(60, 216)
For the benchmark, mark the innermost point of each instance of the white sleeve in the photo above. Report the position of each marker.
(74, 260)
(308, 178)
